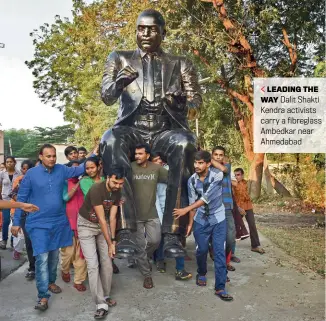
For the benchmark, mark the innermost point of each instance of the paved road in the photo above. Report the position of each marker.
(8, 265)
(265, 287)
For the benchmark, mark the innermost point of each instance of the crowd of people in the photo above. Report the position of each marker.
(76, 210)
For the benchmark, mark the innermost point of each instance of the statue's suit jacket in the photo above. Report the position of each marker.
(178, 73)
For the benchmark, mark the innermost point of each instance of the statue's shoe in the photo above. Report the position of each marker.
(172, 246)
(125, 246)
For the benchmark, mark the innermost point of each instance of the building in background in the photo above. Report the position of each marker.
(61, 158)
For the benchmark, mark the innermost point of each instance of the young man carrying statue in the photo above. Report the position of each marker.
(157, 92)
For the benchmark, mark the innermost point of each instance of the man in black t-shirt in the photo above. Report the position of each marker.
(100, 208)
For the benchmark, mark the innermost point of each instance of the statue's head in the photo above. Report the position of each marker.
(150, 30)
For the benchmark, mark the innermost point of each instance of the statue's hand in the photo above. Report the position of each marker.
(177, 99)
(126, 76)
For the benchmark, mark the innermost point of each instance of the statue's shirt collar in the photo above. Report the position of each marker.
(158, 53)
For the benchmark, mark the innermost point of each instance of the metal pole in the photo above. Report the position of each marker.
(10, 147)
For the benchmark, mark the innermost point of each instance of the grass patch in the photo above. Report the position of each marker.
(305, 244)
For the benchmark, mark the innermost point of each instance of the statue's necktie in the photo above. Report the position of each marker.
(150, 78)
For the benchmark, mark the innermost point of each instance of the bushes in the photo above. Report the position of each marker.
(305, 180)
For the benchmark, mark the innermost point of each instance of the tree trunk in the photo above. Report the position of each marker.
(279, 187)
(256, 175)
(267, 177)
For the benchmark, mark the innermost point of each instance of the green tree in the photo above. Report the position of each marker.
(230, 41)
(25, 143)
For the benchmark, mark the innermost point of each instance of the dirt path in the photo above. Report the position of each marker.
(264, 287)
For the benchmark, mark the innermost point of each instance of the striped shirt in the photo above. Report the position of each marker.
(227, 188)
(209, 191)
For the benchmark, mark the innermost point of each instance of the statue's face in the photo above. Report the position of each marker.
(149, 34)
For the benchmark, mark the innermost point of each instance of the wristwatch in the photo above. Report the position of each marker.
(113, 239)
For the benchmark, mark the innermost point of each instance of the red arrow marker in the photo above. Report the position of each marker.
(262, 89)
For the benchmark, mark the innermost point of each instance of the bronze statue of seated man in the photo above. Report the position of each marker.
(158, 92)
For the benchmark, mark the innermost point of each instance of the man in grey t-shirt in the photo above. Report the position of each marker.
(145, 177)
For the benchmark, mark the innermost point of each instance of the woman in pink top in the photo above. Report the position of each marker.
(74, 198)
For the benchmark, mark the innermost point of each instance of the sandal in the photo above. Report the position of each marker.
(42, 305)
(65, 277)
(100, 314)
(223, 295)
(230, 267)
(80, 287)
(235, 259)
(148, 283)
(258, 250)
(54, 288)
(111, 303)
(201, 280)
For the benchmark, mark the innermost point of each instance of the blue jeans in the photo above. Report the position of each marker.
(159, 256)
(217, 233)
(5, 224)
(46, 272)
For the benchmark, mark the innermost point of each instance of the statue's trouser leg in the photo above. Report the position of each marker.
(115, 148)
(178, 147)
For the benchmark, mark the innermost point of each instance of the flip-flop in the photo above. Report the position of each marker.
(201, 280)
(111, 303)
(230, 267)
(224, 296)
(148, 283)
(235, 259)
(100, 314)
(41, 305)
(258, 250)
(54, 288)
(80, 287)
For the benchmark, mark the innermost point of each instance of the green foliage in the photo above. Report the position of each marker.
(26, 143)
(320, 70)
(70, 55)
(217, 126)
(306, 179)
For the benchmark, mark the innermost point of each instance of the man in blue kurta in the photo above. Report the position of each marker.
(48, 228)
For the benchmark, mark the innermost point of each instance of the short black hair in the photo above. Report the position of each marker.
(70, 149)
(74, 161)
(153, 13)
(219, 148)
(45, 146)
(11, 157)
(239, 169)
(82, 149)
(145, 146)
(155, 154)
(203, 155)
(28, 163)
(93, 159)
(118, 172)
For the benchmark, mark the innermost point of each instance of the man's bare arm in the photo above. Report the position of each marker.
(219, 166)
(113, 220)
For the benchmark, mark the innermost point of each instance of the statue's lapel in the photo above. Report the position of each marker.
(138, 65)
(167, 72)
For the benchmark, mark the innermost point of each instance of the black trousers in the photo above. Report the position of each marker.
(177, 147)
(28, 243)
(250, 217)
